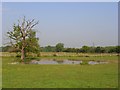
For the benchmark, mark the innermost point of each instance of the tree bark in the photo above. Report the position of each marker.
(22, 53)
(23, 50)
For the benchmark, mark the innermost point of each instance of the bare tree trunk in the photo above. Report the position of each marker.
(23, 50)
(22, 53)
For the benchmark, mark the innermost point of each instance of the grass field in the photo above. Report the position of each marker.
(61, 76)
(0, 72)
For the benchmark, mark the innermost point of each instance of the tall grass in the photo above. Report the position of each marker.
(45, 54)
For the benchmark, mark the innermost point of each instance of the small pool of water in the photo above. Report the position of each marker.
(65, 62)
(55, 62)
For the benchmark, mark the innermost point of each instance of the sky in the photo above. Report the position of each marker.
(0, 43)
(73, 23)
(60, 0)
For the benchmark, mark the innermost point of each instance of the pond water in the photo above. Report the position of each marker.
(55, 62)
(65, 62)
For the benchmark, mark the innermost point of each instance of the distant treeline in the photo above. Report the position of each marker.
(60, 48)
(84, 49)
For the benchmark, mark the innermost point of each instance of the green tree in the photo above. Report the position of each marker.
(85, 49)
(111, 49)
(59, 47)
(22, 34)
(117, 49)
(99, 49)
(32, 43)
(50, 48)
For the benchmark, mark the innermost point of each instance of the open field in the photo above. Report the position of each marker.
(61, 76)
(0, 77)
(64, 55)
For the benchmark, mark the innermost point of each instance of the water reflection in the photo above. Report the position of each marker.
(55, 62)
(71, 62)
(65, 62)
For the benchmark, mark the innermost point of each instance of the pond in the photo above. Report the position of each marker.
(42, 61)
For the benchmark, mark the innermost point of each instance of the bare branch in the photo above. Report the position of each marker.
(34, 24)
(23, 23)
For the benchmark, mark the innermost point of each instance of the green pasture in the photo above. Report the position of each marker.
(0, 72)
(60, 76)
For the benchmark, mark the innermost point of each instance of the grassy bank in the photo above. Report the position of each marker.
(59, 54)
(60, 76)
(64, 55)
